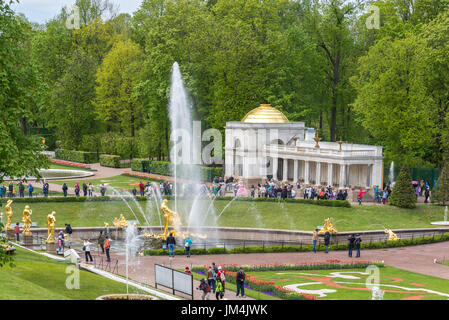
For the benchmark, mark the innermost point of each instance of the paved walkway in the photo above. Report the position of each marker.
(419, 259)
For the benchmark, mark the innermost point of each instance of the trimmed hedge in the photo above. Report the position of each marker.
(165, 168)
(110, 160)
(307, 248)
(76, 156)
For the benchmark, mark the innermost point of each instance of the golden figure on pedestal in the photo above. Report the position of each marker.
(172, 217)
(391, 235)
(51, 221)
(26, 219)
(122, 223)
(8, 211)
(328, 227)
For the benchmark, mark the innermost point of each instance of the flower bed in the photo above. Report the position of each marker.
(70, 164)
(268, 287)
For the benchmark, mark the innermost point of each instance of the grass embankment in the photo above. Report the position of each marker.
(253, 214)
(36, 277)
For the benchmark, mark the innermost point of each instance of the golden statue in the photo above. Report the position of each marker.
(328, 227)
(317, 139)
(122, 223)
(8, 211)
(26, 219)
(171, 217)
(391, 235)
(51, 221)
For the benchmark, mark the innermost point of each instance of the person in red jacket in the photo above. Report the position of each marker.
(17, 231)
(142, 189)
(360, 196)
(107, 246)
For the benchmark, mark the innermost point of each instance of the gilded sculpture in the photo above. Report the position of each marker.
(328, 227)
(26, 219)
(8, 211)
(391, 235)
(51, 221)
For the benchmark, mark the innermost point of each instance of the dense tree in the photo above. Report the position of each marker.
(403, 195)
(19, 152)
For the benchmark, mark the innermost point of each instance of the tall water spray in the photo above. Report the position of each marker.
(391, 172)
(186, 153)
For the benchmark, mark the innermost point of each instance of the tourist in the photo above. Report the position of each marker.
(211, 278)
(17, 231)
(77, 189)
(171, 242)
(60, 243)
(142, 189)
(187, 270)
(134, 191)
(107, 247)
(84, 189)
(101, 240)
(426, 194)
(64, 189)
(103, 189)
(315, 239)
(21, 189)
(351, 240)
(384, 196)
(240, 282)
(219, 292)
(188, 245)
(357, 242)
(204, 286)
(68, 231)
(30, 190)
(86, 249)
(360, 196)
(45, 188)
(1, 191)
(222, 277)
(10, 189)
(327, 239)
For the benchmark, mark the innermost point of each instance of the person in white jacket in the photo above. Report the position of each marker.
(86, 248)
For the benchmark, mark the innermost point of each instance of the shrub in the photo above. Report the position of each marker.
(76, 156)
(403, 194)
(109, 160)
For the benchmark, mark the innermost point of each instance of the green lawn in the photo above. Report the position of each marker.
(60, 166)
(396, 283)
(119, 183)
(273, 215)
(38, 277)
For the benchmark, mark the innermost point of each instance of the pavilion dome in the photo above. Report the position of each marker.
(265, 113)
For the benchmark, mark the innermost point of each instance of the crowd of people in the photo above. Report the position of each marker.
(12, 191)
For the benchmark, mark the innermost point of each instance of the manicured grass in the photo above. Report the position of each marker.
(120, 183)
(60, 166)
(408, 284)
(290, 216)
(38, 277)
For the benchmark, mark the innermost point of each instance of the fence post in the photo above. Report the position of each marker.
(263, 246)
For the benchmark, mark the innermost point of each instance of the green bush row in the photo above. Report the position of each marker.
(326, 203)
(165, 168)
(76, 156)
(305, 248)
(110, 160)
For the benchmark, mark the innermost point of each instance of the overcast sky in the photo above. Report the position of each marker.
(41, 11)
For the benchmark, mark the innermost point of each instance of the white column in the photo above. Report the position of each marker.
(342, 176)
(295, 170)
(306, 172)
(318, 173)
(275, 167)
(285, 170)
(330, 172)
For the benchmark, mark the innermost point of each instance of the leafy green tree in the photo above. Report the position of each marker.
(19, 153)
(403, 194)
(116, 77)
